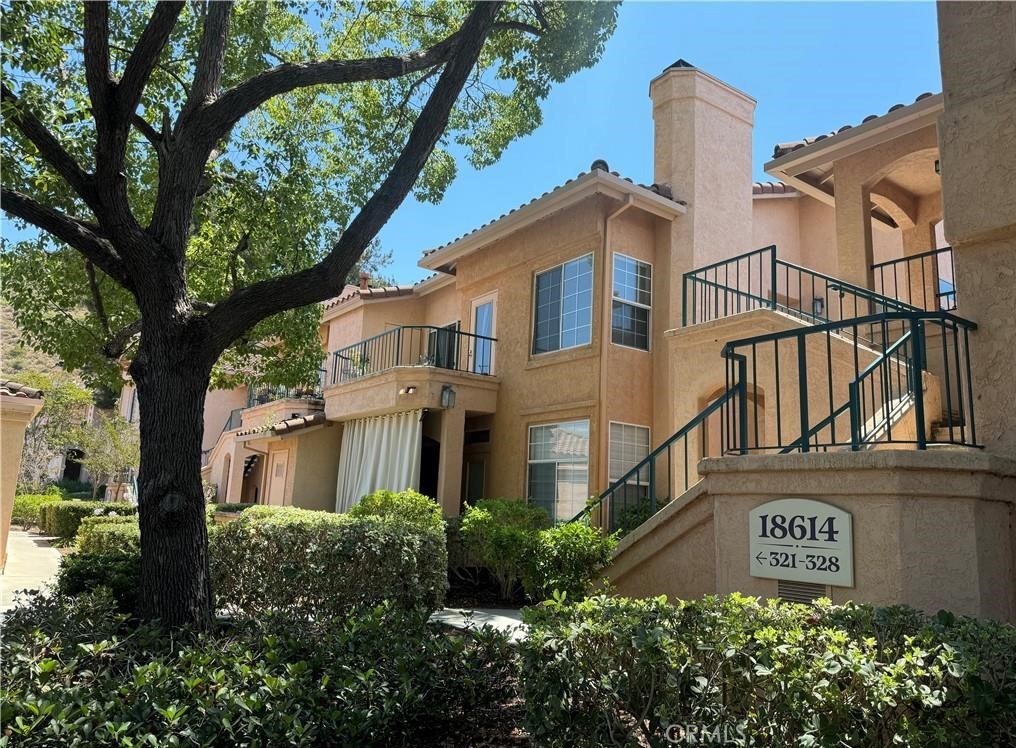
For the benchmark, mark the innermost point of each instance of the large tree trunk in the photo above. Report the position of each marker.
(171, 383)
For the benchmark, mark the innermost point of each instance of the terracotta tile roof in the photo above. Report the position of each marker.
(663, 190)
(782, 149)
(772, 188)
(16, 389)
(383, 292)
(287, 426)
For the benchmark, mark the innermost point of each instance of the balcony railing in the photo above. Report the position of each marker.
(414, 345)
(926, 280)
(270, 392)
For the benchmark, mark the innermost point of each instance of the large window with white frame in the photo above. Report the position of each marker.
(563, 315)
(631, 303)
(558, 474)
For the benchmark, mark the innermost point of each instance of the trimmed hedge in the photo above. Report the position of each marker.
(110, 537)
(566, 560)
(408, 505)
(62, 518)
(614, 671)
(319, 565)
(27, 506)
(78, 674)
(118, 573)
(501, 533)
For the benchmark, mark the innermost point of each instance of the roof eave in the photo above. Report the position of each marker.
(595, 182)
(903, 121)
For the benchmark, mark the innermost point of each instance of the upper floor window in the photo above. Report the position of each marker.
(564, 306)
(632, 300)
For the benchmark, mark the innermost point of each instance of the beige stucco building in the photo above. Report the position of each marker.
(687, 350)
(18, 406)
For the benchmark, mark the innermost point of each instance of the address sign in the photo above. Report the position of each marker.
(801, 540)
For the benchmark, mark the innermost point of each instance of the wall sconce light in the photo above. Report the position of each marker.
(818, 306)
(408, 391)
(938, 167)
(447, 396)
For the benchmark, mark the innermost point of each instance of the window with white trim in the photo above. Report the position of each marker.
(632, 301)
(629, 445)
(563, 317)
(558, 474)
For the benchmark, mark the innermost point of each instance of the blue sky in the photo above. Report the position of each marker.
(812, 67)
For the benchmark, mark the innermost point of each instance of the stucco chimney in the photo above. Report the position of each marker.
(364, 281)
(702, 149)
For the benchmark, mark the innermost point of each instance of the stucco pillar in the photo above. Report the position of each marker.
(853, 228)
(977, 139)
(16, 412)
(702, 149)
(449, 473)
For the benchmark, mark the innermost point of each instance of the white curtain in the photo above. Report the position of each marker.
(379, 453)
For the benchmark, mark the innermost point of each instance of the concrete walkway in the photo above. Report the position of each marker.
(502, 619)
(32, 563)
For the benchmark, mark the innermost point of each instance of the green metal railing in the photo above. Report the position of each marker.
(414, 345)
(666, 473)
(267, 393)
(834, 405)
(760, 280)
(925, 280)
(854, 397)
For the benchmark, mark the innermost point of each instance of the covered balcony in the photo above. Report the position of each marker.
(410, 367)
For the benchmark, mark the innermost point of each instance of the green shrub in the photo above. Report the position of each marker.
(119, 572)
(110, 537)
(502, 534)
(566, 559)
(318, 564)
(78, 674)
(66, 486)
(211, 509)
(27, 506)
(61, 518)
(408, 505)
(613, 671)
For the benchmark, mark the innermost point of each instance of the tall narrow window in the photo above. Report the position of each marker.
(564, 306)
(632, 301)
(629, 445)
(559, 467)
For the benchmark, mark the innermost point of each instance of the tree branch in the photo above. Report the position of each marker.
(50, 149)
(146, 55)
(93, 286)
(218, 117)
(96, 52)
(211, 57)
(238, 313)
(117, 343)
(83, 237)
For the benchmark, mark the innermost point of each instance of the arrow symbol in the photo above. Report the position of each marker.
(759, 558)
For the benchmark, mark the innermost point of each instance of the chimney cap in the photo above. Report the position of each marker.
(680, 63)
(599, 164)
(364, 280)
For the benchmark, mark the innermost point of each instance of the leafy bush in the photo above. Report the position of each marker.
(613, 671)
(61, 518)
(501, 533)
(317, 564)
(27, 506)
(211, 509)
(67, 486)
(408, 505)
(79, 674)
(566, 559)
(110, 537)
(119, 572)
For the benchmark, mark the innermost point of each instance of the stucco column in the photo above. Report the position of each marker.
(15, 415)
(853, 228)
(449, 473)
(977, 137)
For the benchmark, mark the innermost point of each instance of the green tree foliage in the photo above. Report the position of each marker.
(110, 444)
(285, 180)
(52, 431)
